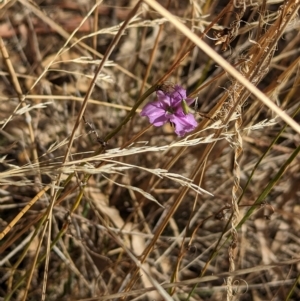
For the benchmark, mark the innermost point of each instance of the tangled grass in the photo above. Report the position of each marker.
(96, 204)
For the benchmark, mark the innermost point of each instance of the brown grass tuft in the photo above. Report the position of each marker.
(96, 204)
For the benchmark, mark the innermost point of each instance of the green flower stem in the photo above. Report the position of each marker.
(131, 113)
(269, 187)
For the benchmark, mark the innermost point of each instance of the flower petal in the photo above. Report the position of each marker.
(159, 120)
(169, 108)
(151, 108)
(165, 100)
(155, 112)
(183, 123)
(179, 93)
(189, 101)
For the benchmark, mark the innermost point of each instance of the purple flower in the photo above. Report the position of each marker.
(171, 106)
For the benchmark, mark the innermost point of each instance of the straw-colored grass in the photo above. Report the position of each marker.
(97, 204)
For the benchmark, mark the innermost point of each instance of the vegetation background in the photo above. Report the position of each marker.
(96, 204)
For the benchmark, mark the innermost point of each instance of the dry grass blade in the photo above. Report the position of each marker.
(219, 60)
(22, 212)
(98, 203)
